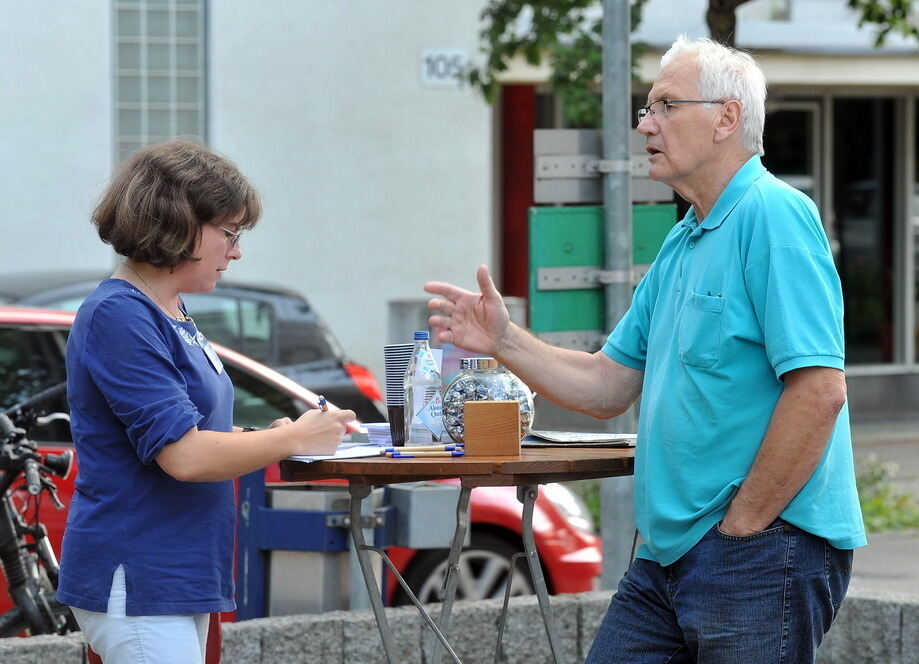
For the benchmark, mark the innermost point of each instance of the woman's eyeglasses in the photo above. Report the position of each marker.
(231, 236)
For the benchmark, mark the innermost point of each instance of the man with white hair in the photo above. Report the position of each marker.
(745, 492)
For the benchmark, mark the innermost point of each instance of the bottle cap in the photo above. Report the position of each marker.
(422, 334)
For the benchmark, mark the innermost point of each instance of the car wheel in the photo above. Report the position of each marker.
(483, 565)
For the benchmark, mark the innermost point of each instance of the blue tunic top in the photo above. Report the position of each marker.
(728, 306)
(136, 382)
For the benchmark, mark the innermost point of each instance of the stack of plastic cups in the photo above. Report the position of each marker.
(396, 358)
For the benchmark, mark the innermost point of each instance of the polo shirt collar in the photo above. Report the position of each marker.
(745, 176)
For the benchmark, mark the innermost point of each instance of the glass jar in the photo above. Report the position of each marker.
(484, 379)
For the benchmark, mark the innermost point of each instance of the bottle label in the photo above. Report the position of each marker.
(427, 364)
(431, 416)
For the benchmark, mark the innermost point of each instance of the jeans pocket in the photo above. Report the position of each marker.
(838, 573)
(776, 526)
(699, 330)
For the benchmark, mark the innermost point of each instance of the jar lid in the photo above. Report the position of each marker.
(478, 363)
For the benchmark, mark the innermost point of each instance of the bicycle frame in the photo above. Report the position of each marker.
(26, 557)
(22, 573)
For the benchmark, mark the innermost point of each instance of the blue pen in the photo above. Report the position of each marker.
(396, 455)
(323, 405)
(424, 448)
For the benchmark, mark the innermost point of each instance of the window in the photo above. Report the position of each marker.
(765, 10)
(242, 324)
(791, 142)
(913, 224)
(159, 64)
(258, 404)
(31, 361)
(863, 202)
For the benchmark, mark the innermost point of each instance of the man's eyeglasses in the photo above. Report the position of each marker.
(231, 236)
(667, 105)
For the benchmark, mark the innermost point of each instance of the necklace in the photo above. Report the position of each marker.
(180, 317)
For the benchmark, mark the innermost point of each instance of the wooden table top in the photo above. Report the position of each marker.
(531, 466)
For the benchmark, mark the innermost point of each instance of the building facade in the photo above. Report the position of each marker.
(374, 164)
(379, 171)
(842, 125)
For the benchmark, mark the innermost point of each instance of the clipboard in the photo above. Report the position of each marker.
(540, 438)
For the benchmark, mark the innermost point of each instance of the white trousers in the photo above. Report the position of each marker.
(123, 639)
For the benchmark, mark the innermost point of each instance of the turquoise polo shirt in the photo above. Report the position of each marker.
(727, 308)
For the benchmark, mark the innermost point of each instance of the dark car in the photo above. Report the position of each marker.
(275, 326)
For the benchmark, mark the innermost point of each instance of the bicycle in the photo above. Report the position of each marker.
(26, 556)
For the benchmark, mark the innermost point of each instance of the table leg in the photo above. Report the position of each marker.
(358, 493)
(527, 496)
(502, 620)
(452, 577)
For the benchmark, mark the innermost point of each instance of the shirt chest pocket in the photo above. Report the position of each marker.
(699, 333)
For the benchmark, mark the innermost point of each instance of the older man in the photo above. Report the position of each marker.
(744, 484)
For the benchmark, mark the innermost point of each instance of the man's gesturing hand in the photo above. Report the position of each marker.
(474, 321)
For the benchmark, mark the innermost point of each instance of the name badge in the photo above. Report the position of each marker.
(210, 352)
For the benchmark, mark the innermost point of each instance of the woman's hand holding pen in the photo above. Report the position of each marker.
(320, 431)
(474, 321)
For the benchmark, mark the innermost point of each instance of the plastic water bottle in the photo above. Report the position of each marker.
(423, 417)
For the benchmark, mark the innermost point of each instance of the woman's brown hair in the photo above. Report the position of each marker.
(153, 210)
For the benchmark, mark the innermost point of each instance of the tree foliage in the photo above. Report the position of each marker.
(888, 16)
(568, 33)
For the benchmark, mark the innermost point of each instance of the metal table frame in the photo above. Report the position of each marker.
(526, 471)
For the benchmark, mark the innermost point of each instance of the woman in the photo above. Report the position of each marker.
(148, 548)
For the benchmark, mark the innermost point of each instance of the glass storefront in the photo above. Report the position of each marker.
(863, 220)
(913, 225)
(791, 143)
(856, 157)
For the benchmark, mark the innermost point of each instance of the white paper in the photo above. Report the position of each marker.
(343, 452)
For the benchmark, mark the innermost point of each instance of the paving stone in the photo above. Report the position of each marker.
(866, 631)
(362, 641)
(242, 641)
(303, 638)
(67, 649)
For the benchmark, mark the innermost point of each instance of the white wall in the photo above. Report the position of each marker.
(55, 131)
(814, 26)
(372, 183)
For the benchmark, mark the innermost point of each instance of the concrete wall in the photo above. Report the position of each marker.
(372, 182)
(55, 124)
(870, 629)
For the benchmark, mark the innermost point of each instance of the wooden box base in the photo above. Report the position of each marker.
(492, 428)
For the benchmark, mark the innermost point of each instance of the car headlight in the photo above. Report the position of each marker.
(570, 505)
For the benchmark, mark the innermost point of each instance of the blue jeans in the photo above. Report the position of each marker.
(766, 598)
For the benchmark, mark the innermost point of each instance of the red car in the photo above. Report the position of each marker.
(32, 343)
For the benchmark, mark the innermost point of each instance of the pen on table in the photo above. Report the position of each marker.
(424, 448)
(399, 455)
(323, 405)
